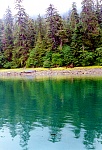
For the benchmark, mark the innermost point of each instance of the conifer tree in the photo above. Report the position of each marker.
(8, 30)
(99, 12)
(31, 34)
(7, 38)
(55, 26)
(1, 34)
(21, 40)
(40, 27)
(74, 17)
(21, 25)
(2, 58)
(90, 23)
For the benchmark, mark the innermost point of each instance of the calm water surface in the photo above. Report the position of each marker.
(51, 114)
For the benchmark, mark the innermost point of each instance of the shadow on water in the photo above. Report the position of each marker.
(26, 105)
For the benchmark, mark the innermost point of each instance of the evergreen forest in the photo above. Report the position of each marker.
(52, 40)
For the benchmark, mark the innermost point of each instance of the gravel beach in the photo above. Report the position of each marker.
(51, 72)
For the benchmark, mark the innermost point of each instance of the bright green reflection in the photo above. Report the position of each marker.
(51, 114)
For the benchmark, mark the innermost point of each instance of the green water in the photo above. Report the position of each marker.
(63, 114)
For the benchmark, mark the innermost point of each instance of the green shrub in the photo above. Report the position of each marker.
(8, 65)
(46, 64)
(98, 56)
(67, 55)
(57, 60)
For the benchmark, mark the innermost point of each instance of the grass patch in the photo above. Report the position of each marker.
(88, 67)
(45, 69)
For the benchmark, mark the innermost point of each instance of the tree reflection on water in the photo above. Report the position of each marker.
(28, 104)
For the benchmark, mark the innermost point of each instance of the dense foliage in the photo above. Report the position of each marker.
(52, 41)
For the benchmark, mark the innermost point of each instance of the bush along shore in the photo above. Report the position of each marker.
(52, 72)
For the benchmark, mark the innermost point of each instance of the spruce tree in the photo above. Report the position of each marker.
(74, 17)
(8, 30)
(21, 25)
(55, 26)
(40, 27)
(1, 34)
(21, 39)
(31, 34)
(2, 58)
(90, 24)
(7, 38)
(99, 12)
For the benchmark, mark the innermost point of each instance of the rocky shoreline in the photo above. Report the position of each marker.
(50, 72)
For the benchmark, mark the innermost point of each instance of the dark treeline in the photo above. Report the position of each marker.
(52, 41)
